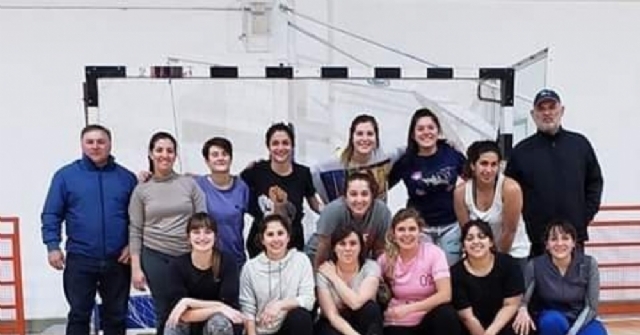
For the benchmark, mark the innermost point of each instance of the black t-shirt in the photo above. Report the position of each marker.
(298, 185)
(485, 295)
(187, 281)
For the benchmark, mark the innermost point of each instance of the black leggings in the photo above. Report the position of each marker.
(366, 321)
(155, 265)
(442, 320)
(297, 322)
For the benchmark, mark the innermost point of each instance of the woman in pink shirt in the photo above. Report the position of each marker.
(418, 275)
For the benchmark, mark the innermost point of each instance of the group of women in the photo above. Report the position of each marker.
(452, 262)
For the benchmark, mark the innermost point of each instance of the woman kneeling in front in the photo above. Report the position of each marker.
(487, 285)
(564, 283)
(204, 285)
(417, 274)
(347, 286)
(277, 290)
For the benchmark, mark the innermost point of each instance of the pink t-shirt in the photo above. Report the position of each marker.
(414, 280)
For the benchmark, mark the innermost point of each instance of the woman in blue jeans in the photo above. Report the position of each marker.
(430, 169)
(564, 283)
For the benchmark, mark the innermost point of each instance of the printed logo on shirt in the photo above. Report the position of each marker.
(334, 180)
(443, 176)
(426, 280)
(276, 202)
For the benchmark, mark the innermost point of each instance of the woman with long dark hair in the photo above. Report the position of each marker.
(277, 287)
(487, 285)
(279, 185)
(159, 211)
(347, 284)
(204, 285)
(490, 196)
(430, 170)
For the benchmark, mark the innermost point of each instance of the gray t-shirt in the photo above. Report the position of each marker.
(369, 269)
(373, 226)
(159, 211)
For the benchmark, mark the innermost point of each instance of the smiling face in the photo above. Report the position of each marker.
(485, 169)
(163, 155)
(406, 234)
(426, 132)
(477, 244)
(275, 239)
(97, 146)
(358, 197)
(202, 239)
(560, 244)
(348, 249)
(547, 116)
(218, 160)
(364, 138)
(280, 147)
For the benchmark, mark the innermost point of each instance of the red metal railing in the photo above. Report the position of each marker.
(615, 242)
(10, 234)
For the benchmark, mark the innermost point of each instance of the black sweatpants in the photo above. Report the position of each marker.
(442, 320)
(366, 321)
(298, 321)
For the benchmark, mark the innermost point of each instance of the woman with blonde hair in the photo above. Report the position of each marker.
(417, 274)
(362, 154)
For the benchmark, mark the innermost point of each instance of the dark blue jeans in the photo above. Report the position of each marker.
(82, 278)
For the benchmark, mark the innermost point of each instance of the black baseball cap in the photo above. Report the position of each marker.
(546, 95)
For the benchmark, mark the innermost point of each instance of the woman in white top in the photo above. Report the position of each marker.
(490, 196)
(347, 285)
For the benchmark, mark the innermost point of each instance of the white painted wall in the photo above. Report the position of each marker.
(594, 65)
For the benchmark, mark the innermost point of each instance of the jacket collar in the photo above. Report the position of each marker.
(90, 165)
(551, 137)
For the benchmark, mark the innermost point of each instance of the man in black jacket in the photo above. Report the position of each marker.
(558, 172)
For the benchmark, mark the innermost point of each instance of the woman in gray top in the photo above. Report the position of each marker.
(564, 283)
(276, 286)
(159, 211)
(358, 206)
(347, 285)
(362, 153)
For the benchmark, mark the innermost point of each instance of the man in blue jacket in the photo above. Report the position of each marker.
(558, 172)
(91, 196)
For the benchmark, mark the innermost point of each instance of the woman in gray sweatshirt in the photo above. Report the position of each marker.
(565, 285)
(358, 207)
(159, 210)
(277, 287)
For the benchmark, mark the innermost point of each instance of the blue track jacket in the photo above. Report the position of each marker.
(93, 203)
